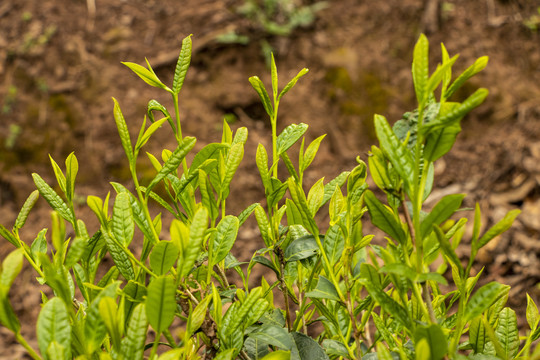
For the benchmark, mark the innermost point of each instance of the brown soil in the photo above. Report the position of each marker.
(60, 66)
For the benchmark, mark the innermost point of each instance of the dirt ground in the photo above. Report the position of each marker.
(60, 66)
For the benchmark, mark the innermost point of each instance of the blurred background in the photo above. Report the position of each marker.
(60, 66)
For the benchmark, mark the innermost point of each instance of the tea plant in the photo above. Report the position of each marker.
(335, 294)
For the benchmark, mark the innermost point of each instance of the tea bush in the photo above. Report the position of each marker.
(336, 294)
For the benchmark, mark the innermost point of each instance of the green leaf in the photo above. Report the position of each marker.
(147, 75)
(95, 330)
(420, 68)
(274, 75)
(210, 151)
(144, 137)
(292, 82)
(456, 112)
(472, 70)
(227, 231)
(445, 208)
(163, 256)
(289, 136)
(311, 151)
(329, 188)
(277, 355)
(261, 160)
(182, 65)
(334, 243)
(448, 251)
(76, 251)
(435, 338)
(234, 157)
(265, 262)
(264, 225)
(301, 248)
(383, 218)
(395, 151)
(53, 199)
(308, 348)
(60, 177)
(478, 337)
(388, 304)
(436, 78)
(532, 313)
(56, 351)
(483, 299)
(123, 131)
(108, 311)
(198, 315)
(440, 141)
(263, 94)
(122, 224)
(497, 229)
(324, 290)
(299, 199)
(507, 332)
(53, 325)
(7, 314)
(119, 254)
(11, 267)
(161, 303)
(133, 342)
(197, 230)
(25, 210)
(174, 160)
(275, 192)
(6, 234)
(72, 168)
(273, 335)
(315, 196)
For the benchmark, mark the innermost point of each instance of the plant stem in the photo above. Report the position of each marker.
(178, 134)
(28, 348)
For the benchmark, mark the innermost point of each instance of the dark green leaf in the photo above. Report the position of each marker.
(448, 250)
(6, 234)
(233, 160)
(440, 141)
(308, 348)
(301, 248)
(324, 290)
(273, 335)
(383, 218)
(334, 243)
(445, 208)
(210, 151)
(264, 261)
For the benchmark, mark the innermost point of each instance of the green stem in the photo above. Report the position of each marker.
(21, 340)
(179, 136)
(155, 346)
